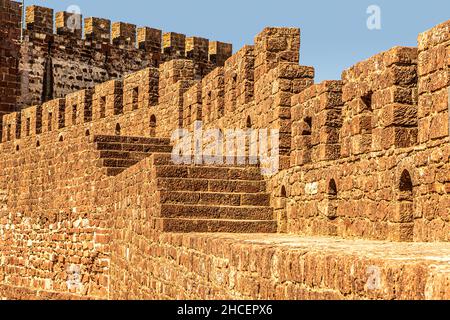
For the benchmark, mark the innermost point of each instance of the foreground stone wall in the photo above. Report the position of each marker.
(53, 232)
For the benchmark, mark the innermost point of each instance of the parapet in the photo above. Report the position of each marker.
(78, 107)
(275, 45)
(11, 126)
(113, 98)
(149, 39)
(316, 121)
(107, 100)
(380, 97)
(197, 48)
(434, 83)
(31, 119)
(219, 52)
(53, 115)
(140, 89)
(124, 34)
(213, 92)
(192, 105)
(39, 19)
(97, 29)
(174, 45)
(239, 78)
(69, 24)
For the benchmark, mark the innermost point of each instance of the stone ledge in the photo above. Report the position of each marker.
(267, 266)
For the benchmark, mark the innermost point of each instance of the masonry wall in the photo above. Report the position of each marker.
(253, 89)
(365, 157)
(51, 65)
(357, 169)
(9, 73)
(53, 231)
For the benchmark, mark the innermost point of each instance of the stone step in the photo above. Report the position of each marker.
(110, 172)
(215, 198)
(108, 154)
(211, 173)
(211, 225)
(118, 163)
(132, 140)
(225, 186)
(216, 212)
(133, 147)
(166, 159)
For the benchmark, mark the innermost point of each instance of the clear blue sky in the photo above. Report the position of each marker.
(334, 33)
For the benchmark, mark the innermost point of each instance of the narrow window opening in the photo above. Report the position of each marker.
(102, 107)
(249, 122)
(152, 126)
(50, 119)
(307, 130)
(28, 127)
(74, 114)
(135, 98)
(283, 220)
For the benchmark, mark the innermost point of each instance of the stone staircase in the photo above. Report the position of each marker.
(194, 198)
(117, 153)
(212, 199)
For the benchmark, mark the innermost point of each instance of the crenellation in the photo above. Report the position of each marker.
(123, 34)
(197, 49)
(78, 107)
(219, 52)
(239, 78)
(31, 119)
(174, 45)
(53, 115)
(11, 126)
(107, 99)
(275, 45)
(192, 106)
(380, 96)
(213, 92)
(316, 122)
(97, 29)
(434, 83)
(69, 24)
(150, 39)
(39, 19)
(140, 89)
(53, 65)
(362, 162)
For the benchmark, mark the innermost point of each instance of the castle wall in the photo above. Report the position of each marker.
(266, 267)
(51, 65)
(10, 14)
(434, 83)
(365, 157)
(253, 89)
(53, 232)
(357, 169)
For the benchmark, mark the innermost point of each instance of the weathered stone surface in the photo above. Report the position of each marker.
(93, 207)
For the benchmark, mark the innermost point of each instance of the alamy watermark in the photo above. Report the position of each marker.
(74, 277)
(374, 19)
(229, 147)
(374, 280)
(74, 20)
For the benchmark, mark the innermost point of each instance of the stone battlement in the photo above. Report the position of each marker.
(92, 206)
(55, 61)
